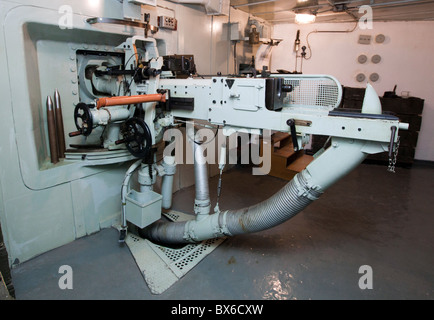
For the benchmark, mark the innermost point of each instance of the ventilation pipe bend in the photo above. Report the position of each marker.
(307, 186)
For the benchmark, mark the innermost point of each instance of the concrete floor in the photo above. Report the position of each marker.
(371, 217)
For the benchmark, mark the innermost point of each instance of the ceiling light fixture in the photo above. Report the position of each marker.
(305, 11)
(304, 18)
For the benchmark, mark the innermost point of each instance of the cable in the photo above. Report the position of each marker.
(206, 142)
(124, 81)
(235, 57)
(202, 143)
(326, 31)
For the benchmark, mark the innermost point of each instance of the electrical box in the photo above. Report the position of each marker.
(231, 31)
(143, 208)
(364, 39)
(234, 31)
(167, 23)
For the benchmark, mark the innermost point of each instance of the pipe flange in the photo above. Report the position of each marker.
(311, 192)
(222, 228)
(169, 169)
(202, 207)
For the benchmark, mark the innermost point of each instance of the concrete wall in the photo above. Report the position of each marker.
(406, 61)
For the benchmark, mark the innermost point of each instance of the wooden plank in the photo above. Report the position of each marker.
(279, 136)
(285, 152)
(300, 163)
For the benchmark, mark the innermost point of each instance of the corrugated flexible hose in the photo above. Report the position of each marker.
(283, 205)
(286, 203)
(297, 194)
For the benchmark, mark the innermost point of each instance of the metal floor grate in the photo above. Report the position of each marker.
(184, 259)
(163, 266)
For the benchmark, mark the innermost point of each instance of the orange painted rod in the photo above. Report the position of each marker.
(125, 100)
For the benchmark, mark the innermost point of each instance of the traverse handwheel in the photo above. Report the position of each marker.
(137, 137)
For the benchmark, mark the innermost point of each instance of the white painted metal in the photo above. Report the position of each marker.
(143, 208)
(169, 167)
(104, 116)
(371, 101)
(243, 106)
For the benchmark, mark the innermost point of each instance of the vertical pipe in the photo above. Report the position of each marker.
(52, 131)
(167, 183)
(202, 202)
(201, 174)
(59, 124)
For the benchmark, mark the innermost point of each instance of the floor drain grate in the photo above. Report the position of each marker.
(162, 266)
(184, 259)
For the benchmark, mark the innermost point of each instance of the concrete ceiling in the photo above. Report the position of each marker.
(281, 11)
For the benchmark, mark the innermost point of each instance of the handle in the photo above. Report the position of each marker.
(291, 124)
